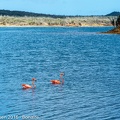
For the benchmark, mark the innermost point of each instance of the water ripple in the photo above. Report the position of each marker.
(91, 64)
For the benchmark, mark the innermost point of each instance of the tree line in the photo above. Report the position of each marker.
(28, 14)
(31, 14)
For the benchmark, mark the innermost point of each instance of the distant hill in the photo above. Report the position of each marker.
(113, 14)
(28, 14)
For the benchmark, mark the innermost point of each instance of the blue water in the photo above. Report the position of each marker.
(90, 60)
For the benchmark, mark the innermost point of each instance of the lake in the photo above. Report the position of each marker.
(89, 59)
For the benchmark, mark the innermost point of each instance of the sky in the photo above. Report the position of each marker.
(63, 7)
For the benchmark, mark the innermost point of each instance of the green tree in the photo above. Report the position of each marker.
(118, 22)
(113, 22)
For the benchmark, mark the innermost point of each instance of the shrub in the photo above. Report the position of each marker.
(118, 22)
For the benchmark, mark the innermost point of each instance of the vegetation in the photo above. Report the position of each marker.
(31, 14)
(116, 22)
(28, 14)
(22, 18)
(48, 21)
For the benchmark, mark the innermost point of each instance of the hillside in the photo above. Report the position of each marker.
(22, 18)
(48, 21)
(113, 14)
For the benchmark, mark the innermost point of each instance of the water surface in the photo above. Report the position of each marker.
(90, 60)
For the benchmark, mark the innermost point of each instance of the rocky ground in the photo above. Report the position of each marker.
(114, 31)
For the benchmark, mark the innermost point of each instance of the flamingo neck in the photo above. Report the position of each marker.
(61, 79)
(33, 84)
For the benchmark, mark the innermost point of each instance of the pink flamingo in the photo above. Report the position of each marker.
(27, 86)
(58, 81)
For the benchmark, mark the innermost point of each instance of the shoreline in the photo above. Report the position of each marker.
(50, 26)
